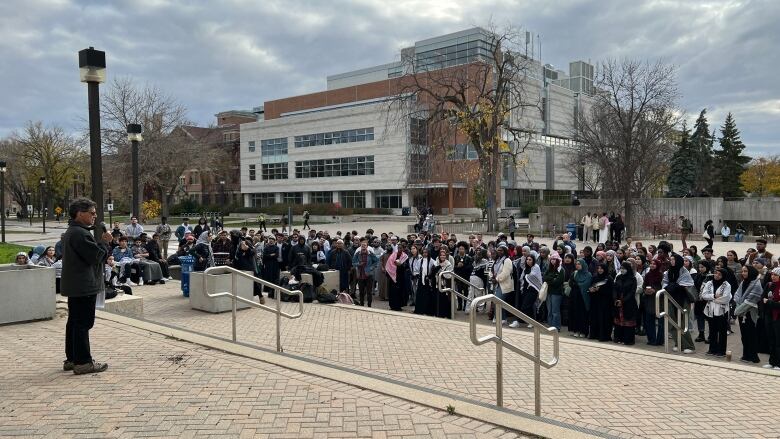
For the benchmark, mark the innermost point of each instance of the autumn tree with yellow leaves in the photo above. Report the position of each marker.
(483, 103)
(762, 177)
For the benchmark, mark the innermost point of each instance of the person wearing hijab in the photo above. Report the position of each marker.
(501, 278)
(396, 270)
(676, 281)
(701, 276)
(624, 297)
(654, 328)
(424, 302)
(613, 264)
(555, 278)
(579, 299)
(528, 284)
(271, 266)
(204, 255)
(22, 259)
(47, 259)
(716, 294)
(747, 296)
(601, 305)
(441, 300)
(771, 301)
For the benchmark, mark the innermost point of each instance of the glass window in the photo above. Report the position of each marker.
(273, 147)
(323, 197)
(263, 200)
(275, 171)
(462, 151)
(334, 137)
(341, 167)
(390, 199)
(292, 197)
(353, 199)
(251, 146)
(252, 173)
(516, 197)
(418, 131)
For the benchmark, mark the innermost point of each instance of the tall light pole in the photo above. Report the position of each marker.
(42, 183)
(222, 190)
(134, 136)
(110, 210)
(2, 198)
(92, 70)
(29, 207)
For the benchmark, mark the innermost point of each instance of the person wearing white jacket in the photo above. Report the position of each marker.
(587, 227)
(717, 294)
(502, 278)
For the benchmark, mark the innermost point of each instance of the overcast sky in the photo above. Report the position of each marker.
(222, 55)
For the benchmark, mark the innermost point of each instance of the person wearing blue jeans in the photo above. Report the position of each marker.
(554, 277)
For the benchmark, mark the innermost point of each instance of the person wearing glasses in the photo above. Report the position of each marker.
(83, 259)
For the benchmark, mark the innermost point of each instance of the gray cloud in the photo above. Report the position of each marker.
(236, 54)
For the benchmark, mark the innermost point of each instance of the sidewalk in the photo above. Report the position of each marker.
(595, 386)
(158, 387)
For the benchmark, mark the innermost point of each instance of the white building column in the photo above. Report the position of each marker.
(336, 197)
(247, 200)
(278, 197)
(369, 199)
(405, 198)
(306, 197)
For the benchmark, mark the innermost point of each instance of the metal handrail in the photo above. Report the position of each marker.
(451, 275)
(235, 297)
(681, 314)
(498, 339)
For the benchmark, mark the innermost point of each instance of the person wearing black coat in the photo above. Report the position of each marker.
(601, 305)
(153, 248)
(624, 297)
(463, 268)
(83, 260)
(271, 264)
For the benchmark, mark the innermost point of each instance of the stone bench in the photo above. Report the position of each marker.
(26, 293)
(126, 304)
(218, 283)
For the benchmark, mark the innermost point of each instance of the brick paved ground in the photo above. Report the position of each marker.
(626, 390)
(158, 387)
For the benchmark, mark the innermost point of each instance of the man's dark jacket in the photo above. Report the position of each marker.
(82, 262)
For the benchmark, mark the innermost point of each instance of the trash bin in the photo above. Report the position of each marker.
(572, 229)
(580, 231)
(187, 264)
(406, 211)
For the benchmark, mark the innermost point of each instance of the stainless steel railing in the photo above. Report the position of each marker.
(454, 294)
(682, 315)
(498, 339)
(236, 298)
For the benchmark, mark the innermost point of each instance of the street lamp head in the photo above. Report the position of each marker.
(134, 132)
(92, 65)
(222, 182)
(2, 166)
(42, 180)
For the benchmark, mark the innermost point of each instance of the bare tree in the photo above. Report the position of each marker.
(627, 135)
(41, 151)
(483, 103)
(163, 154)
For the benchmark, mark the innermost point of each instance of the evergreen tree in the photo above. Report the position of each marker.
(701, 144)
(682, 169)
(729, 162)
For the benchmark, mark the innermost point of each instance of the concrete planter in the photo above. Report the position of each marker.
(220, 283)
(26, 293)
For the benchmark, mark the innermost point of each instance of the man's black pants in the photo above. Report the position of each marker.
(366, 287)
(81, 318)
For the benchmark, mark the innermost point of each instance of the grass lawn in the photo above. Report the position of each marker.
(8, 252)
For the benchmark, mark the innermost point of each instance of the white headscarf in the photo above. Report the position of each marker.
(204, 239)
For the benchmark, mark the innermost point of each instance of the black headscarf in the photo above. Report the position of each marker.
(723, 275)
(674, 271)
(752, 274)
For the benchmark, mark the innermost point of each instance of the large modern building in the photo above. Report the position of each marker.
(341, 146)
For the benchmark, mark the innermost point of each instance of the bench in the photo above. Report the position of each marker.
(126, 304)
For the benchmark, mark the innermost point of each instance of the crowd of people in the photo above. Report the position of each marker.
(606, 293)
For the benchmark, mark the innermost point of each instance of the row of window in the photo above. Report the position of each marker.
(334, 137)
(275, 171)
(340, 167)
(385, 199)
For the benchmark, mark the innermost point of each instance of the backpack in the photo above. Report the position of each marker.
(308, 292)
(323, 296)
(345, 299)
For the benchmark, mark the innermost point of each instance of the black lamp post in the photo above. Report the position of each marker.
(110, 210)
(134, 136)
(29, 205)
(2, 198)
(92, 70)
(42, 182)
(222, 191)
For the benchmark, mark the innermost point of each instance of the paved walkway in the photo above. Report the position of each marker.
(158, 387)
(603, 387)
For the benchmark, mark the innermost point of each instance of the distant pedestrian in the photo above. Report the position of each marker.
(306, 220)
(164, 230)
(686, 228)
(82, 280)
